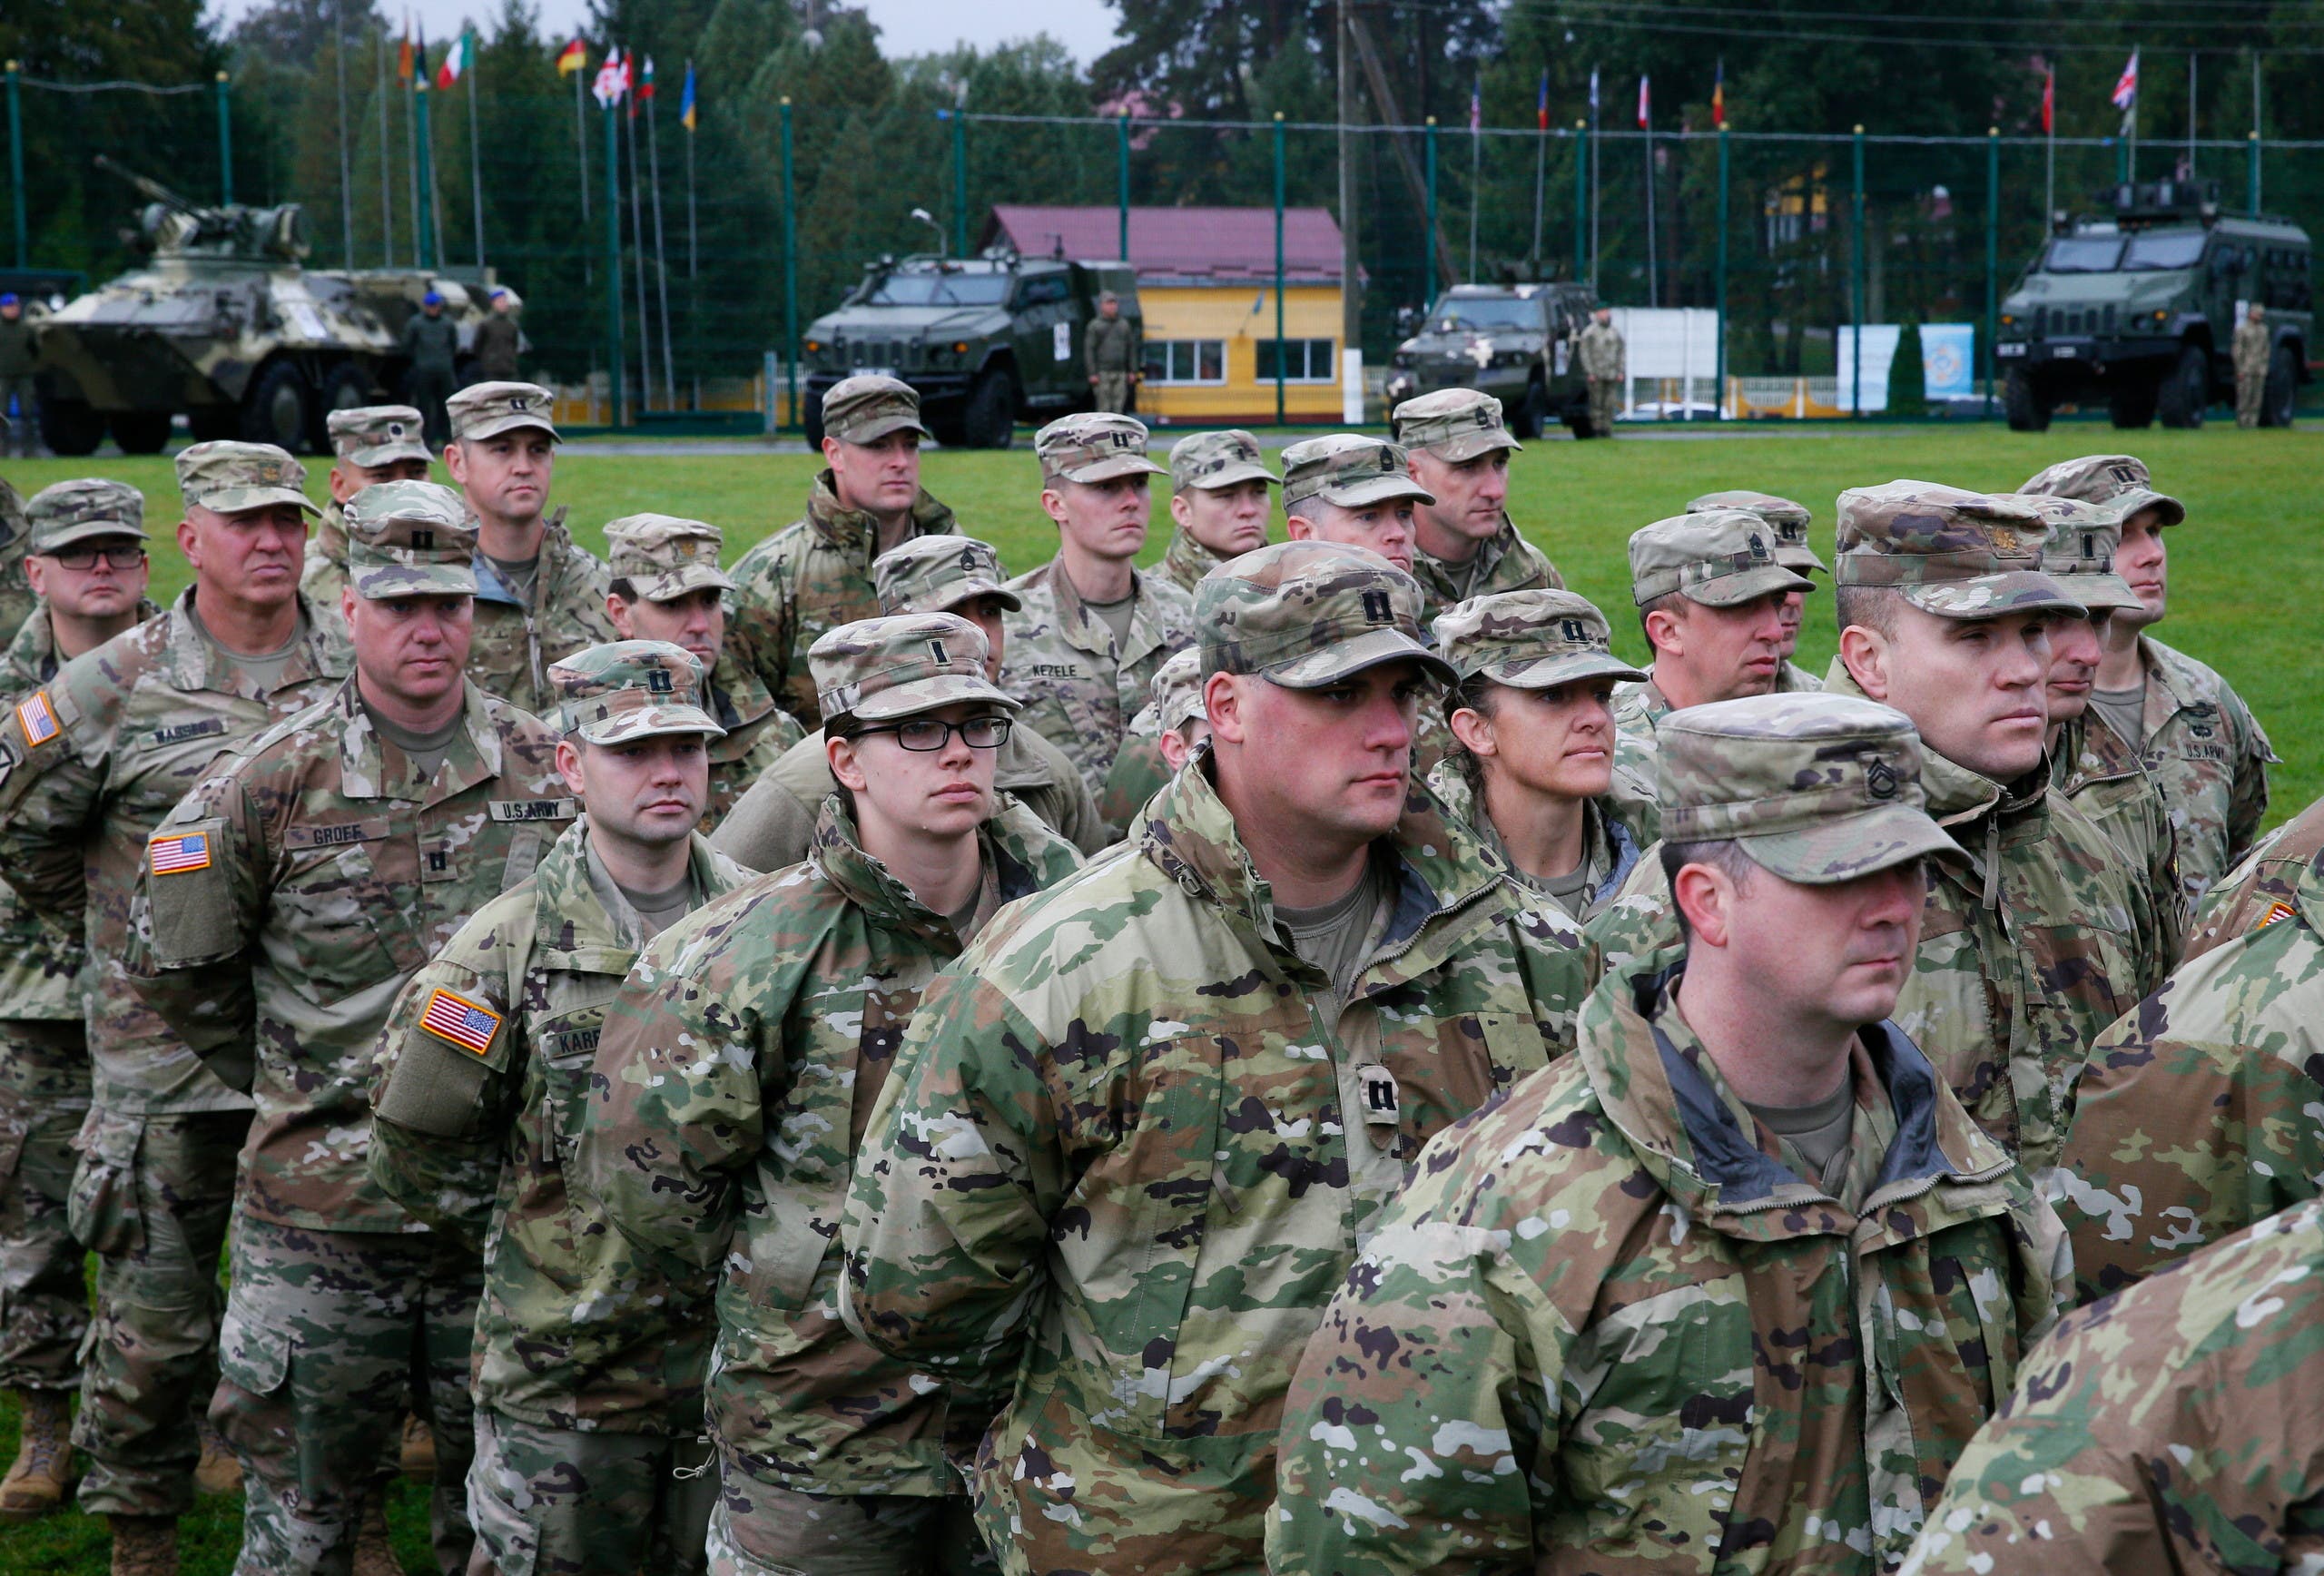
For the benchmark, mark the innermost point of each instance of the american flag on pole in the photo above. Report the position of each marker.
(36, 718)
(461, 1020)
(175, 855)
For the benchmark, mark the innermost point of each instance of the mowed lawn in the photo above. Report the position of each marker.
(2243, 570)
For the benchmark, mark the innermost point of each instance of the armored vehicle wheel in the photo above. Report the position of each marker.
(2186, 389)
(990, 418)
(280, 409)
(2130, 400)
(812, 417)
(345, 387)
(2024, 403)
(2283, 389)
(214, 423)
(141, 431)
(1525, 422)
(70, 428)
(947, 430)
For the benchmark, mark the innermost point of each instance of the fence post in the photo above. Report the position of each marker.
(2254, 135)
(790, 273)
(1718, 360)
(1279, 270)
(225, 144)
(1121, 141)
(425, 218)
(960, 182)
(1581, 200)
(1428, 295)
(614, 359)
(16, 162)
(1993, 255)
(1856, 284)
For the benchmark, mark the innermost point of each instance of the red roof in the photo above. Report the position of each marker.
(1225, 245)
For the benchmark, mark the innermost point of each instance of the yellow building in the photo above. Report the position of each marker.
(1205, 286)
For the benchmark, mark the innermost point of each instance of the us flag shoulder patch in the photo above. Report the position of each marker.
(2276, 914)
(461, 1020)
(176, 855)
(36, 719)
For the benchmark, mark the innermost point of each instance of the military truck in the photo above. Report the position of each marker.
(2137, 306)
(987, 341)
(223, 326)
(1513, 342)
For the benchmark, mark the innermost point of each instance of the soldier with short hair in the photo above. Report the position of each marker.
(87, 563)
(282, 905)
(1731, 1285)
(1465, 543)
(1092, 629)
(431, 351)
(815, 573)
(497, 339)
(97, 757)
(1134, 1138)
(2197, 739)
(1605, 364)
(667, 585)
(773, 824)
(1219, 504)
(1790, 521)
(370, 443)
(540, 595)
(1355, 489)
(730, 1087)
(1710, 591)
(2250, 350)
(1110, 347)
(588, 1364)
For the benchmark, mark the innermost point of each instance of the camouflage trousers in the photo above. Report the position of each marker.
(324, 1336)
(759, 1530)
(1605, 405)
(44, 1292)
(2251, 392)
(558, 1501)
(150, 1196)
(1113, 392)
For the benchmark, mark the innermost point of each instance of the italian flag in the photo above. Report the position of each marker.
(456, 61)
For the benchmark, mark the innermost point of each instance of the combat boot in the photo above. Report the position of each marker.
(144, 1545)
(41, 1481)
(220, 1470)
(417, 1457)
(374, 1555)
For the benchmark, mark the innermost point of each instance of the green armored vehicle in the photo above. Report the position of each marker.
(1513, 342)
(223, 326)
(2138, 306)
(987, 341)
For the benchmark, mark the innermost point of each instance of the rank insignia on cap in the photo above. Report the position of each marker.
(2276, 913)
(461, 1020)
(1880, 779)
(177, 855)
(36, 719)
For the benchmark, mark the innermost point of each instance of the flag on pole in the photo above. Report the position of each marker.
(573, 57)
(1593, 90)
(1541, 106)
(420, 55)
(613, 80)
(403, 55)
(2126, 86)
(686, 100)
(2049, 101)
(1645, 105)
(1476, 103)
(646, 82)
(456, 61)
(1718, 95)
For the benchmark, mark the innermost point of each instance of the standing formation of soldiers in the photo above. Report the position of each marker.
(1299, 1059)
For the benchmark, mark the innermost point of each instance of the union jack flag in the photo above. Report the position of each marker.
(36, 719)
(461, 1020)
(174, 855)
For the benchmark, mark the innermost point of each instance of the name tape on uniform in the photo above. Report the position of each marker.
(461, 1020)
(177, 855)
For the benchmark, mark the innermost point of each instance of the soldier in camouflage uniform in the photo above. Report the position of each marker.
(1092, 629)
(773, 824)
(373, 443)
(1710, 590)
(95, 758)
(815, 574)
(1352, 489)
(1532, 768)
(730, 1087)
(588, 1455)
(667, 585)
(1158, 740)
(43, 1048)
(1464, 544)
(1605, 363)
(1135, 1136)
(2172, 1428)
(541, 596)
(1729, 1288)
(2191, 729)
(16, 541)
(283, 904)
(1218, 504)
(1790, 521)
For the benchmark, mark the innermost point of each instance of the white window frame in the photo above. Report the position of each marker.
(1192, 348)
(1329, 373)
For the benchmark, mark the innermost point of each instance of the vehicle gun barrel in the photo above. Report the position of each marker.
(149, 188)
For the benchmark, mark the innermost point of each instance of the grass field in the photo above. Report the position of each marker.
(2253, 540)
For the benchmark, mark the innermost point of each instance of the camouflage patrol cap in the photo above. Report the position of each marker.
(631, 689)
(1349, 471)
(663, 556)
(483, 410)
(1816, 788)
(227, 477)
(1216, 460)
(866, 409)
(1174, 695)
(1529, 639)
(1309, 614)
(937, 573)
(1719, 559)
(1094, 445)
(90, 508)
(1453, 424)
(2079, 553)
(1789, 520)
(879, 668)
(409, 538)
(2120, 479)
(1956, 554)
(370, 435)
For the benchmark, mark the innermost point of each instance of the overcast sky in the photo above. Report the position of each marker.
(1085, 27)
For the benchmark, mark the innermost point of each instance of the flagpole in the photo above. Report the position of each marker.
(476, 154)
(412, 145)
(1646, 107)
(1540, 150)
(2130, 121)
(1594, 187)
(2191, 114)
(637, 243)
(1476, 165)
(581, 166)
(346, 166)
(2050, 148)
(694, 249)
(386, 166)
(661, 256)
